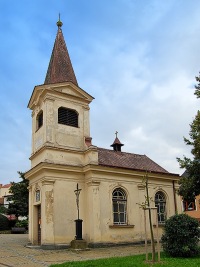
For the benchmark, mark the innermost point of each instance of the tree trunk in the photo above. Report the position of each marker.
(150, 222)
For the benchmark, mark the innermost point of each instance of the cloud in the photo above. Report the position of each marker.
(138, 59)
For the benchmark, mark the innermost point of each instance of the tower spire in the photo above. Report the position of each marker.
(60, 67)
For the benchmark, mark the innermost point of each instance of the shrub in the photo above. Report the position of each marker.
(22, 223)
(3, 209)
(4, 223)
(12, 223)
(181, 236)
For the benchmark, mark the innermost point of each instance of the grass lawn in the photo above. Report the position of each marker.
(134, 261)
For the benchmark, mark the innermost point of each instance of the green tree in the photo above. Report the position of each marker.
(197, 87)
(3, 209)
(190, 183)
(19, 197)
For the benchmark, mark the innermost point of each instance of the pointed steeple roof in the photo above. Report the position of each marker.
(60, 67)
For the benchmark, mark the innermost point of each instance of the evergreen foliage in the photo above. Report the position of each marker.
(197, 87)
(181, 236)
(19, 197)
(3, 209)
(4, 223)
(23, 223)
(190, 184)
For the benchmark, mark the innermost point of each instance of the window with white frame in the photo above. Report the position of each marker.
(160, 203)
(189, 205)
(119, 201)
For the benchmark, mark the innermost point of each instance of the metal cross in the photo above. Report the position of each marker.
(59, 22)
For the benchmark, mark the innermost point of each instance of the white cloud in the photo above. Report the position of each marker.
(137, 58)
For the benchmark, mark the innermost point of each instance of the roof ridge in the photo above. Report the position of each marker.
(122, 152)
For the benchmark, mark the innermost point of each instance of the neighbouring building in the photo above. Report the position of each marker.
(192, 206)
(4, 193)
(63, 156)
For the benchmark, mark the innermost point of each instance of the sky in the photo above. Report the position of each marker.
(137, 58)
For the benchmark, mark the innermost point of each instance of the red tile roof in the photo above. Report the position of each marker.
(6, 186)
(60, 67)
(118, 159)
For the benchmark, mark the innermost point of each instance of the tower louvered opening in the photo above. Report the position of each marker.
(67, 117)
(39, 120)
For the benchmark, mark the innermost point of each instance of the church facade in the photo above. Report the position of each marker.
(63, 156)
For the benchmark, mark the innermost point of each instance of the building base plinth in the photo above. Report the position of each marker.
(78, 244)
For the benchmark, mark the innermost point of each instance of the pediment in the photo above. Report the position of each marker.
(35, 96)
(67, 89)
(74, 91)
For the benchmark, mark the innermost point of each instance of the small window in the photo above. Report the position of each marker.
(37, 195)
(39, 119)
(67, 117)
(119, 207)
(160, 203)
(189, 205)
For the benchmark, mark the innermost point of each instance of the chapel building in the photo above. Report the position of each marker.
(63, 156)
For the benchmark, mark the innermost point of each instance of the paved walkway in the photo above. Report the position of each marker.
(13, 253)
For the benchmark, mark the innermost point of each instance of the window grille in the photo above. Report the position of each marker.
(119, 207)
(160, 203)
(67, 117)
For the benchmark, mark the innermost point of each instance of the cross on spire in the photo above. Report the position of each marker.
(59, 22)
(116, 133)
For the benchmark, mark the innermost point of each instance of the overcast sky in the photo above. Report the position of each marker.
(138, 58)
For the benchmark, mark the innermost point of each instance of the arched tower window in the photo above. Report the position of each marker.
(68, 117)
(39, 120)
(160, 203)
(119, 201)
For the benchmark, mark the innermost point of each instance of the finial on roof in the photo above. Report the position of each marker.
(59, 22)
(116, 133)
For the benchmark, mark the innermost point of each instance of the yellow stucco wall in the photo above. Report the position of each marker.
(61, 158)
(58, 203)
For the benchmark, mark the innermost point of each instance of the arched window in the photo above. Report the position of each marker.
(119, 201)
(39, 120)
(160, 203)
(68, 117)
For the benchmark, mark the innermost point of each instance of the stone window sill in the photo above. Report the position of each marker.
(121, 226)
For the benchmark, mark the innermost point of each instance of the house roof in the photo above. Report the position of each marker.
(185, 174)
(60, 67)
(111, 158)
(6, 186)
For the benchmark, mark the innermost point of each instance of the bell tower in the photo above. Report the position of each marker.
(60, 112)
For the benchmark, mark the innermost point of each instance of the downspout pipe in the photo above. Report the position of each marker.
(174, 193)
